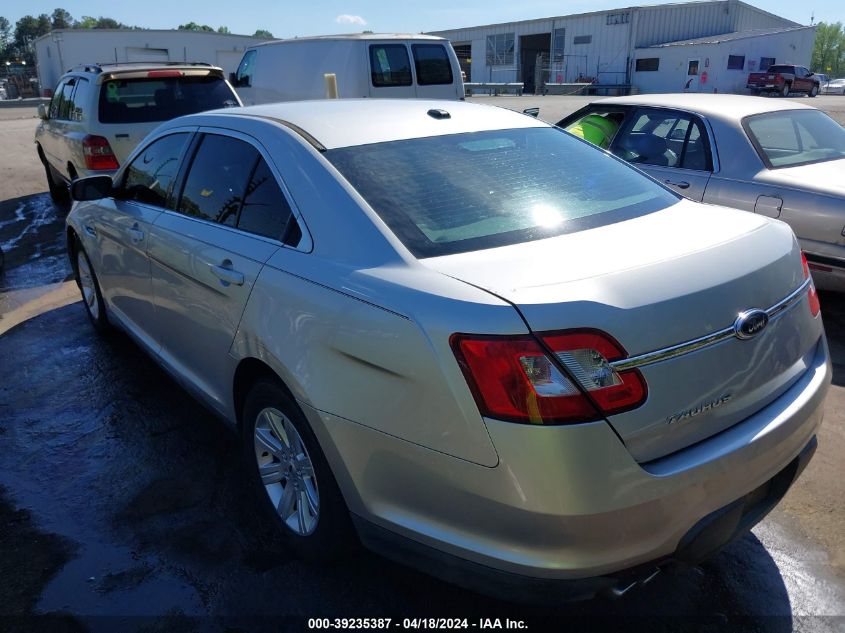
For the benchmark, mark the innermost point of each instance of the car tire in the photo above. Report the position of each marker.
(784, 92)
(89, 286)
(814, 91)
(58, 190)
(291, 479)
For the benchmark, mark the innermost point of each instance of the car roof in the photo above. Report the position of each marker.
(353, 36)
(128, 67)
(334, 123)
(715, 106)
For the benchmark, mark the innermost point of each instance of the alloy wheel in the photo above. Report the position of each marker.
(86, 283)
(286, 471)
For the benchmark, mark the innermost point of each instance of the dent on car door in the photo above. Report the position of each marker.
(229, 218)
(122, 227)
(671, 146)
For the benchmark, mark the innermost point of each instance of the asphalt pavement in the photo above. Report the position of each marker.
(122, 504)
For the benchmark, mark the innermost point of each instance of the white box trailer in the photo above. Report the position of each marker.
(364, 65)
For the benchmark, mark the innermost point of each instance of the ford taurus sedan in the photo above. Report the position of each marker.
(472, 340)
(780, 159)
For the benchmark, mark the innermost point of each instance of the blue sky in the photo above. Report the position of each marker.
(286, 18)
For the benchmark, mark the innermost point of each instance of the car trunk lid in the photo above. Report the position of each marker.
(657, 281)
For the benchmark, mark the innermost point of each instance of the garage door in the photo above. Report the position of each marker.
(147, 55)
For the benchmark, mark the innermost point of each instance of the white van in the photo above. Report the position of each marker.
(365, 65)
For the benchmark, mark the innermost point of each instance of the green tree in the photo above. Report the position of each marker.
(223, 29)
(5, 34)
(263, 33)
(87, 22)
(61, 19)
(27, 30)
(829, 49)
(193, 26)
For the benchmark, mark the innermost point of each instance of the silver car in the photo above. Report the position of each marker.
(781, 159)
(464, 336)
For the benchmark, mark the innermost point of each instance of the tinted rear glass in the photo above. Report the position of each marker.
(796, 137)
(466, 192)
(432, 63)
(781, 69)
(389, 65)
(161, 99)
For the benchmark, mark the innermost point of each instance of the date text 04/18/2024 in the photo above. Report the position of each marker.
(416, 623)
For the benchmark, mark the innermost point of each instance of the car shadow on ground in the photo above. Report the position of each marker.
(833, 314)
(146, 489)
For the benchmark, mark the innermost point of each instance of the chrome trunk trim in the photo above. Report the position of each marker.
(713, 338)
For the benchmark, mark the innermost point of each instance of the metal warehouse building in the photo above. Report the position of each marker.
(694, 46)
(62, 49)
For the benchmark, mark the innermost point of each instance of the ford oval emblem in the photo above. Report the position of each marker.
(750, 323)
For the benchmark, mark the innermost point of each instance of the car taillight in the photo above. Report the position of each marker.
(812, 295)
(514, 378)
(98, 153)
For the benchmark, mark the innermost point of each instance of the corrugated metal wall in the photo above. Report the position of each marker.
(606, 56)
(657, 25)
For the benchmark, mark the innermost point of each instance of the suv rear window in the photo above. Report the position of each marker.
(162, 98)
(465, 192)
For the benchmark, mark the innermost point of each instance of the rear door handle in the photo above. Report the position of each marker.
(680, 184)
(90, 230)
(227, 275)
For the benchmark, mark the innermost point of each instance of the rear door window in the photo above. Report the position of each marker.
(265, 210)
(664, 138)
(161, 98)
(390, 65)
(432, 64)
(150, 176)
(217, 180)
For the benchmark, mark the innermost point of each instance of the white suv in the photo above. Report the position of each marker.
(100, 112)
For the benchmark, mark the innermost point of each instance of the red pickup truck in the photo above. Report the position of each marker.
(783, 79)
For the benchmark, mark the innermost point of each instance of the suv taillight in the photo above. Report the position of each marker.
(812, 295)
(513, 378)
(98, 153)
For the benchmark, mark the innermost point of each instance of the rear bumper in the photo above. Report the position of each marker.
(569, 503)
(706, 537)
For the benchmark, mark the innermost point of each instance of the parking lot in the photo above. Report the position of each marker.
(122, 499)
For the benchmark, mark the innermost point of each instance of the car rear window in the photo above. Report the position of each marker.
(795, 137)
(464, 192)
(780, 69)
(161, 99)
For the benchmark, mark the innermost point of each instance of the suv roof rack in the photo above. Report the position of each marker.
(99, 66)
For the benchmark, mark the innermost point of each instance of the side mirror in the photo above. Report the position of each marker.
(92, 188)
(535, 112)
(42, 111)
(233, 79)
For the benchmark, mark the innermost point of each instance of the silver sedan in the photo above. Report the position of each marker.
(464, 336)
(777, 158)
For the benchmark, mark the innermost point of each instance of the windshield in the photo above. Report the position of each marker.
(795, 137)
(162, 98)
(465, 192)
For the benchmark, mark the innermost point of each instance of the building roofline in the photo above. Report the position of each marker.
(63, 31)
(642, 7)
(726, 37)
